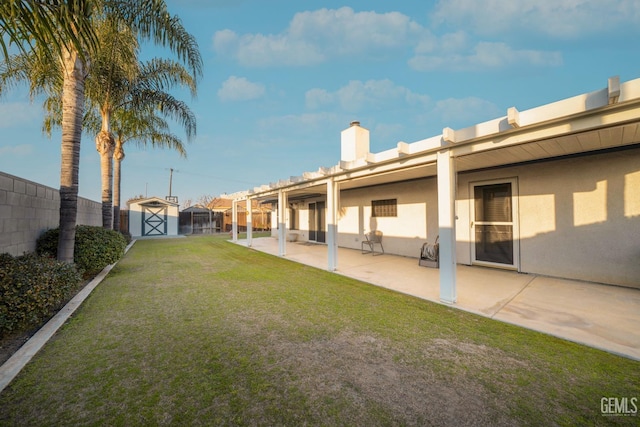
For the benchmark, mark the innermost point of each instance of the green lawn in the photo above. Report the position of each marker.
(199, 331)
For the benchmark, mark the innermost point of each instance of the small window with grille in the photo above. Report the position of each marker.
(388, 207)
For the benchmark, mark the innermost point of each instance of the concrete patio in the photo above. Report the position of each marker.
(601, 316)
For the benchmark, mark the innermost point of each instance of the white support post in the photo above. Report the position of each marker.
(234, 221)
(282, 223)
(249, 223)
(333, 197)
(447, 226)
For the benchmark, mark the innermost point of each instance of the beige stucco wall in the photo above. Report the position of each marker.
(402, 235)
(579, 218)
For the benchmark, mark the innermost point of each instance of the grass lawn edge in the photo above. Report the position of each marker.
(12, 366)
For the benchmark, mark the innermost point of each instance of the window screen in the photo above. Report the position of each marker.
(388, 207)
(493, 203)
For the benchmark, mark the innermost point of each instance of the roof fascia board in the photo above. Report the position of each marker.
(291, 186)
(616, 114)
(395, 165)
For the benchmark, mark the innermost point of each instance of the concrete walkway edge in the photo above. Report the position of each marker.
(12, 367)
(605, 317)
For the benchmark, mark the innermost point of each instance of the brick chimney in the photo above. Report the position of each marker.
(354, 142)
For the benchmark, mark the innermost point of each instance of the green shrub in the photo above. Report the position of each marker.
(32, 288)
(127, 236)
(95, 247)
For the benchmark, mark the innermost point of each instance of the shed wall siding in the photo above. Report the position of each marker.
(135, 218)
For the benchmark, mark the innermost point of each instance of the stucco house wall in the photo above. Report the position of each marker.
(578, 218)
(298, 218)
(415, 223)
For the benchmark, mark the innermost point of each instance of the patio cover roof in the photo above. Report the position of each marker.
(605, 119)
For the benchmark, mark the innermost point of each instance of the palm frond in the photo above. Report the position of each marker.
(144, 127)
(55, 25)
(152, 21)
(168, 106)
(33, 67)
(163, 74)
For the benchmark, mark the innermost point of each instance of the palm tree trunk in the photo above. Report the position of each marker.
(105, 146)
(118, 156)
(72, 112)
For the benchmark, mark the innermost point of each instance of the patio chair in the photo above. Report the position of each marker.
(430, 255)
(372, 239)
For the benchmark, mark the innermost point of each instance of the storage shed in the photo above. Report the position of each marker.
(153, 216)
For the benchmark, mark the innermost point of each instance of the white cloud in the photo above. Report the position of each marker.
(240, 89)
(225, 41)
(450, 42)
(358, 95)
(385, 132)
(315, 36)
(258, 50)
(557, 18)
(485, 56)
(349, 32)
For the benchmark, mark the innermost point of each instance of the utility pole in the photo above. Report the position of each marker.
(170, 197)
(170, 180)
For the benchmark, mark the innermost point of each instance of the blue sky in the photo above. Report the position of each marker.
(283, 78)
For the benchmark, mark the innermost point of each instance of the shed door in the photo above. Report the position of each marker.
(494, 224)
(154, 220)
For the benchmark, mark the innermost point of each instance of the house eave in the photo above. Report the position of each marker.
(583, 116)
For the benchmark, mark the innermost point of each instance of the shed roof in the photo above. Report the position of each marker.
(152, 200)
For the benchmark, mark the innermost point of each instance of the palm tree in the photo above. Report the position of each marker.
(132, 91)
(120, 82)
(115, 84)
(114, 65)
(138, 115)
(148, 18)
(58, 33)
(64, 75)
(141, 128)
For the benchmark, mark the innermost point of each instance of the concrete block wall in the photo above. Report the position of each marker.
(27, 209)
